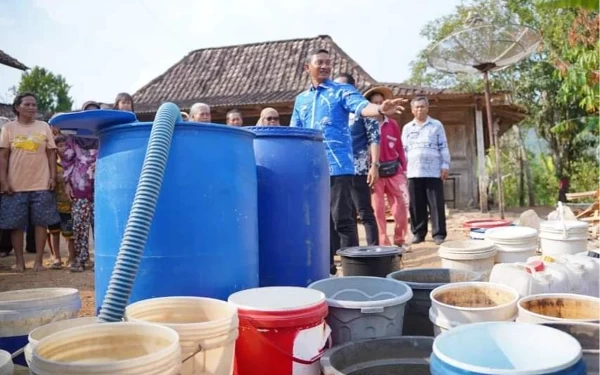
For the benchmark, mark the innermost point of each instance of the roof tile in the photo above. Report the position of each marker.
(248, 74)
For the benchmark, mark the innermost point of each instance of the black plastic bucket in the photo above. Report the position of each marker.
(378, 261)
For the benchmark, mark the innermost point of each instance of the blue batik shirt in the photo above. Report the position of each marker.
(327, 107)
(365, 132)
(426, 149)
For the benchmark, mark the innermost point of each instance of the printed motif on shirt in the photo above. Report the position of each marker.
(30, 143)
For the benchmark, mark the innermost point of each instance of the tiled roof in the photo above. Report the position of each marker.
(258, 73)
(6, 111)
(7, 60)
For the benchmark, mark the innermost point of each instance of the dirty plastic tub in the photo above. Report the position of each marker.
(7, 366)
(362, 307)
(500, 348)
(422, 281)
(109, 349)
(588, 335)
(469, 255)
(558, 307)
(21, 311)
(406, 355)
(39, 333)
(457, 304)
(375, 261)
(207, 330)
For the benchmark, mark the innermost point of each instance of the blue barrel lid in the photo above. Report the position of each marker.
(287, 132)
(370, 251)
(88, 122)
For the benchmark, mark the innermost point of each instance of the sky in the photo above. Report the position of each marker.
(103, 47)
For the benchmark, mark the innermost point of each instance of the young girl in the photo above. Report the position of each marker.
(124, 102)
(63, 205)
(78, 162)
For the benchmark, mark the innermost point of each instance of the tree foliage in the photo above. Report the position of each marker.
(51, 90)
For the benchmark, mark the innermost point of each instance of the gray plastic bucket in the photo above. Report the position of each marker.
(363, 307)
(422, 281)
(588, 335)
(407, 355)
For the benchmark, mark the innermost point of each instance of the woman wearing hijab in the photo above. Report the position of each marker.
(268, 117)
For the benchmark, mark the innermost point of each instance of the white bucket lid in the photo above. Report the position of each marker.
(467, 246)
(557, 226)
(499, 348)
(511, 233)
(276, 298)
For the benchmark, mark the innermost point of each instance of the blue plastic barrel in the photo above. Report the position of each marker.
(204, 236)
(506, 348)
(293, 205)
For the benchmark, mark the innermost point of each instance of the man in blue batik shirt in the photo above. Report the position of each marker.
(326, 105)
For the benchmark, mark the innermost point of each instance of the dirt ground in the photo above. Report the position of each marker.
(420, 256)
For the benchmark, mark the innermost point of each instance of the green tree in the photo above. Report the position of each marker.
(51, 90)
(557, 4)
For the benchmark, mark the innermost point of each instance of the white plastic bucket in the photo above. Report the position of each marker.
(514, 243)
(40, 332)
(109, 349)
(568, 237)
(7, 366)
(500, 348)
(207, 328)
(558, 307)
(21, 311)
(469, 255)
(456, 304)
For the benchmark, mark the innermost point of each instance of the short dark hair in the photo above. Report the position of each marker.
(371, 95)
(122, 96)
(19, 99)
(314, 52)
(349, 78)
(419, 98)
(233, 111)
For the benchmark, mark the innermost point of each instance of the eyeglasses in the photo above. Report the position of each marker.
(272, 118)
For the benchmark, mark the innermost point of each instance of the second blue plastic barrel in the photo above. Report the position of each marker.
(204, 236)
(293, 205)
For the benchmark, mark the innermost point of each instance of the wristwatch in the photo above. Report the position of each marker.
(379, 110)
(377, 164)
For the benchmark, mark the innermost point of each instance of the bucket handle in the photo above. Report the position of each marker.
(201, 348)
(291, 356)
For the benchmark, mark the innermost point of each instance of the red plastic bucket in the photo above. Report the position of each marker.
(282, 331)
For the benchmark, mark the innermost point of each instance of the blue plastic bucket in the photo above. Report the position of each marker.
(502, 348)
(23, 310)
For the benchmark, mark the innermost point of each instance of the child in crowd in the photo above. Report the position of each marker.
(79, 161)
(124, 102)
(63, 206)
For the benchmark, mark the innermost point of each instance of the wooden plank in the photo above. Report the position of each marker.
(483, 197)
(587, 194)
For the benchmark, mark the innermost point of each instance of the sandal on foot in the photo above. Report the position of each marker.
(77, 267)
(56, 266)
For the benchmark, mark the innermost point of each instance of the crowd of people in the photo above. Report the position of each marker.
(47, 177)
(371, 160)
